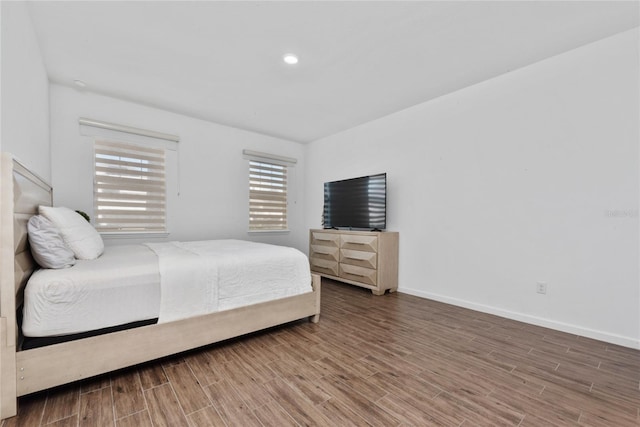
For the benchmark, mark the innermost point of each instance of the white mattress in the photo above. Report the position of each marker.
(123, 285)
(119, 287)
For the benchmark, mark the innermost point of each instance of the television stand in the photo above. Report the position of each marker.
(363, 258)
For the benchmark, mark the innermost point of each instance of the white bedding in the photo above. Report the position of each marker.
(124, 284)
(121, 286)
(247, 273)
(188, 282)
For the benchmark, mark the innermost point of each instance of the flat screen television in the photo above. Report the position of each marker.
(357, 203)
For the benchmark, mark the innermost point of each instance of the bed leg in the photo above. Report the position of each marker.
(316, 283)
(8, 393)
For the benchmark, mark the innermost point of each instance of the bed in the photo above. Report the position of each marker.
(26, 371)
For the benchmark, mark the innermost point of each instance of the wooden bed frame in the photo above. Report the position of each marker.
(28, 371)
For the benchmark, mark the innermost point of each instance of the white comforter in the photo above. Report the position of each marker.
(207, 276)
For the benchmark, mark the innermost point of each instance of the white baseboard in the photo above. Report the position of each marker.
(539, 321)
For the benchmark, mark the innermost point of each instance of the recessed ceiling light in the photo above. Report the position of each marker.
(290, 59)
(79, 83)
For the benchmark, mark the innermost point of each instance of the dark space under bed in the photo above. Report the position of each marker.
(35, 342)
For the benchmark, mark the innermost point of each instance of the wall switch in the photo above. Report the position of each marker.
(541, 287)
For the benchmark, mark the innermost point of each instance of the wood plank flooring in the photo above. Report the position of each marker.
(394, 360)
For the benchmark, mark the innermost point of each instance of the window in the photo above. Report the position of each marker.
(267, 196)
(129, 188)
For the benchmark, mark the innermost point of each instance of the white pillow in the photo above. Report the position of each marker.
(78, 234)
(47, 246)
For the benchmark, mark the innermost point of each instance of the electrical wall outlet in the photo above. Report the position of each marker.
(541, 287)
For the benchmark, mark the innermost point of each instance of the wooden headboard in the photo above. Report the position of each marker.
(21, 193)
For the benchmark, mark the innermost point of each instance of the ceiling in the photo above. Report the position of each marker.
(222, 61)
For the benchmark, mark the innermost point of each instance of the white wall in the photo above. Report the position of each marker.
(25, 91)
(531, 176)
(212, 175)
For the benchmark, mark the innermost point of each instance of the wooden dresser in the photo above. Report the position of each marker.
(363, 258)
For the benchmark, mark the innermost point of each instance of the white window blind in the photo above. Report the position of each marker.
(267, 196)
(129, 189)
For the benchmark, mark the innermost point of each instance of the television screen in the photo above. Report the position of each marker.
(359, 203)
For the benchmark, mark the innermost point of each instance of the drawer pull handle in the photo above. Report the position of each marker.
(357, 259)
(355, 274)
(356, 243)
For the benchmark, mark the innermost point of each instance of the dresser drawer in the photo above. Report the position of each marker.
(325, 239)
(329, 253)
(358, 274)
(359, 258)
(359, 242)
(324, 266)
